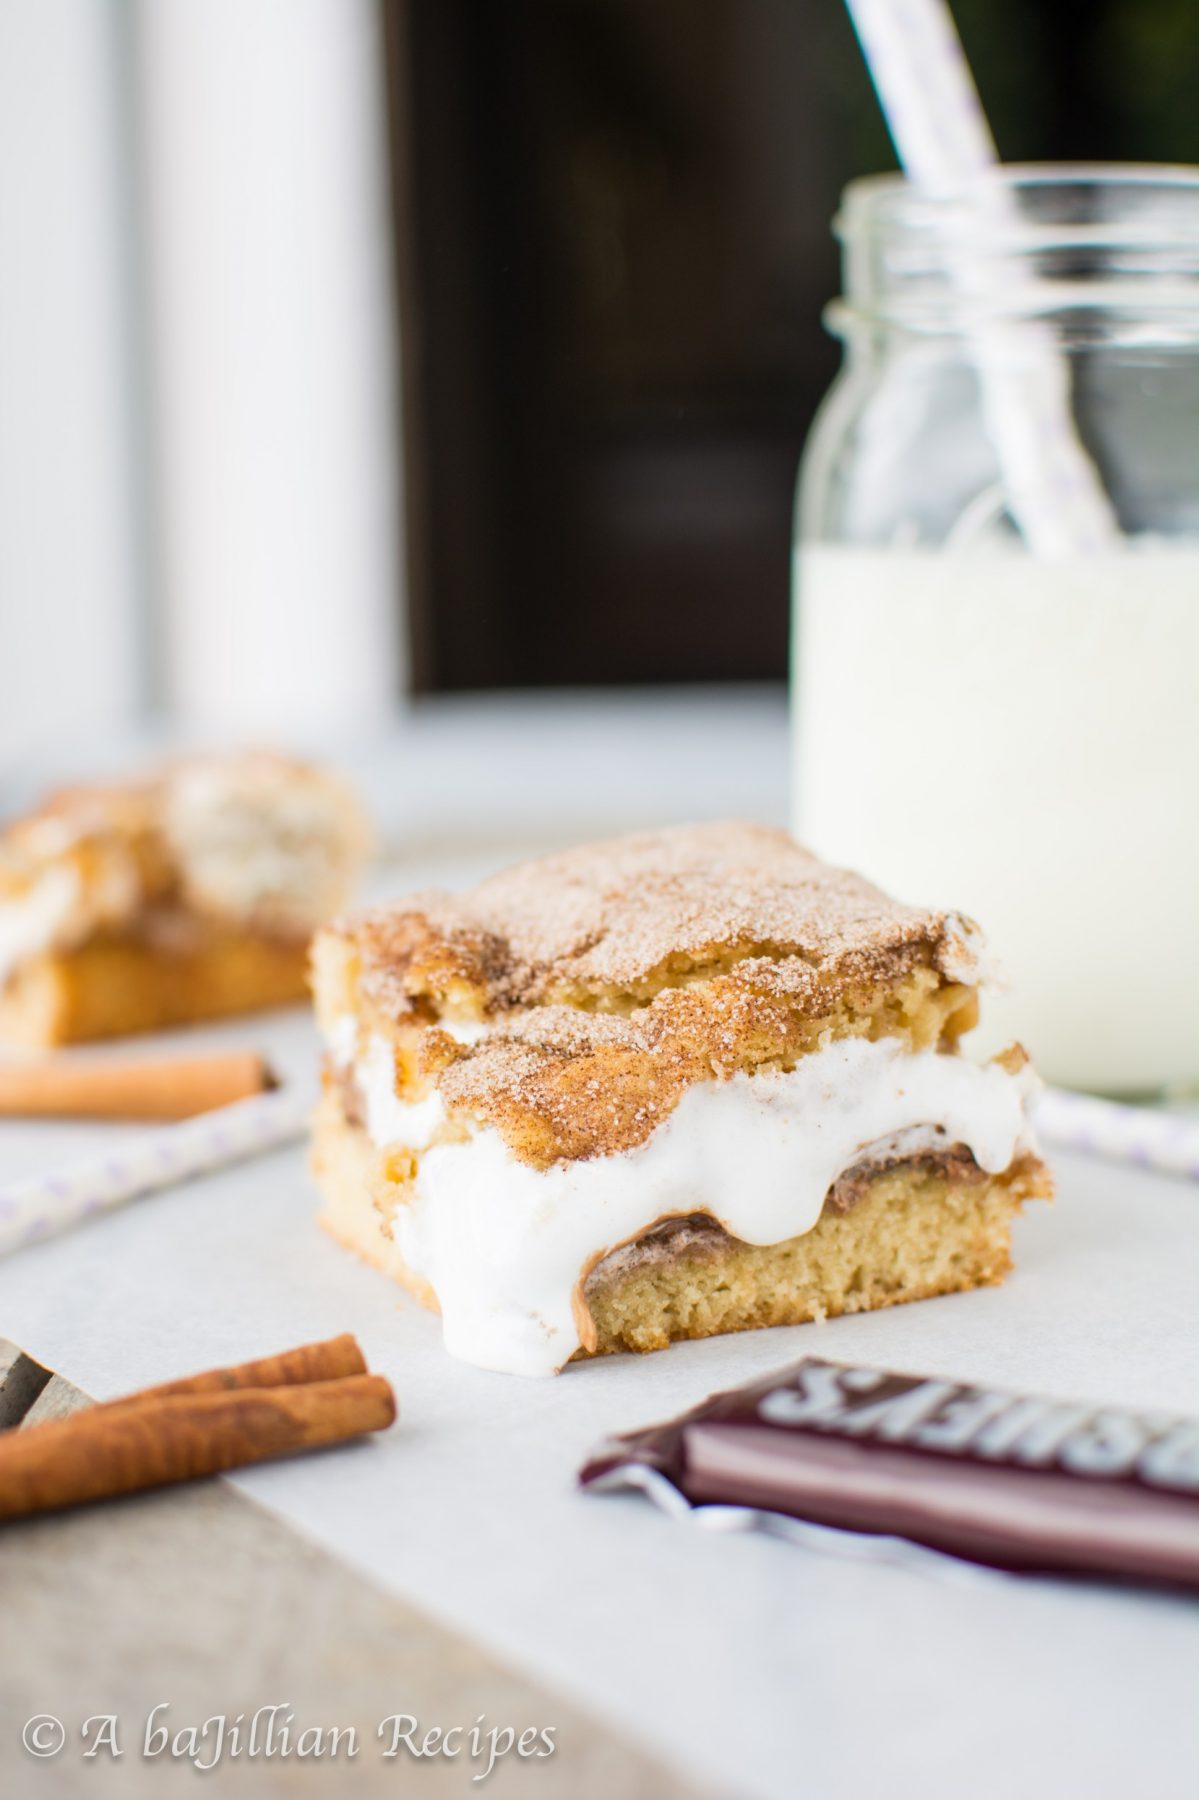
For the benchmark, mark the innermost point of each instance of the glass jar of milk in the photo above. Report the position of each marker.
(992, 713)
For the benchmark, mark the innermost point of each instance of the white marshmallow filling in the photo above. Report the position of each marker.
(505, 1246)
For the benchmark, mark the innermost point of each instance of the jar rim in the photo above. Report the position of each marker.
(1091, 247)
(1033, 206)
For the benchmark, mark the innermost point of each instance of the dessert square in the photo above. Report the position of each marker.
(680, 1083)
(187, 895)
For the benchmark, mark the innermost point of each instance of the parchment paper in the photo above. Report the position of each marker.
(762, 1666)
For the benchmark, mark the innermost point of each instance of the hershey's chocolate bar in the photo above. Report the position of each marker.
(1010, 1480)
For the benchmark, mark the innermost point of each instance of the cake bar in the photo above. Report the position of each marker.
(681, 1083)
(183, 896)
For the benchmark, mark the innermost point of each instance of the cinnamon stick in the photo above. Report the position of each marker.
(331, 1360)
(177, 1088)
(125, 1448)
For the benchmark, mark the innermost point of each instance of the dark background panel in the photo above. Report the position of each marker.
(614, 247)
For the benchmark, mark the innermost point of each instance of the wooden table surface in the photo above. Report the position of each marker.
(197, 1597)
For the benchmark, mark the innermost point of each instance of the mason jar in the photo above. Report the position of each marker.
(996, 686)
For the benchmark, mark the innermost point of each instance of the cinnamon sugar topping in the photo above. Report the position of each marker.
(618, 919)
(616, 975)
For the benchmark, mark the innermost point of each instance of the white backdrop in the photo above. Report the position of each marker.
(274, 377)
(70, 580)
(199, 458)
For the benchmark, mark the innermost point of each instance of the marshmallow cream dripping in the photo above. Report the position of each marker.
(506, 1247)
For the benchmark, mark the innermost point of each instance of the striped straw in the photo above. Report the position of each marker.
(42, 1206)
(919, 68)
(943, 140)
(1167, 1142)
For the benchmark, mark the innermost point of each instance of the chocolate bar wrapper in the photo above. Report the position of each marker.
(1010, 1481)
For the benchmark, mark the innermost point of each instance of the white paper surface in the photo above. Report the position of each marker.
(761, 1666)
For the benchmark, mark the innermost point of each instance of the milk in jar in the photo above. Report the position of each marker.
(995, 685)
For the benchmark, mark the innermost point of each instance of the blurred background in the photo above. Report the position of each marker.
(358, 348)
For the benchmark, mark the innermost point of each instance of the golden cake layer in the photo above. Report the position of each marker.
(611, 978)
(112, 986)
